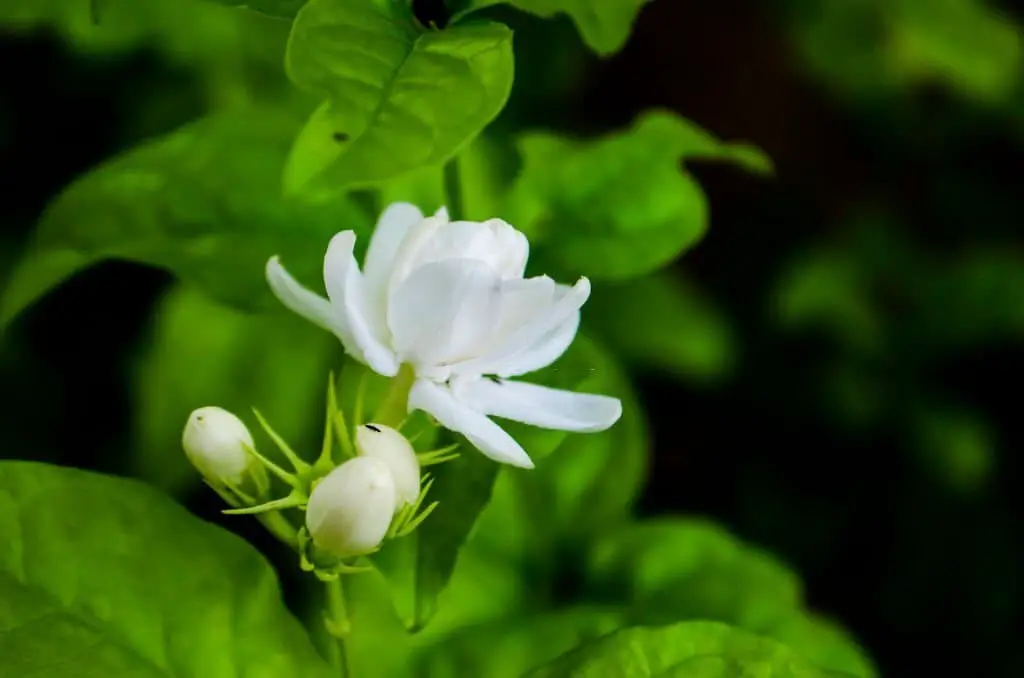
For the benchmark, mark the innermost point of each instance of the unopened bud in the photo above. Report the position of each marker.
(391, 447)
(350, 510)
(218, 443)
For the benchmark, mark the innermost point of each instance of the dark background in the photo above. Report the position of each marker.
(925, 570)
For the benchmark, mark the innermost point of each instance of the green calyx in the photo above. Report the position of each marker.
(302, 478)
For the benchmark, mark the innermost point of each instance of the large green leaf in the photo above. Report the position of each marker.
(662, 322)
(604, 24)
(397, 96)
(689, 649)
(618, 207)
(204, 353)
(283, 9)
(463, 487)
(675, 569)
(507, 648)
(204, 202)
(102, 576)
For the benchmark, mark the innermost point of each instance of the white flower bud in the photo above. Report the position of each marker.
(350, 510)
(391, 447)
(218, 443)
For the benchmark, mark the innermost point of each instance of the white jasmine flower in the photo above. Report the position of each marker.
(218, 443)
(450, 299)
(350, 510)
(391, 447)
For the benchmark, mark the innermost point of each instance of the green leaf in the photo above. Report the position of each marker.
(689, 649)
(671, 569)
(463, 488)
(831, 290)
(508, 648)
(957, 445)
(204, 353)
(876, 49)
(397, 96)
(604, 24)
(203, 202)
(102, 576)
(483, 186)
(484, 588)
(236, 55)
(663, 323)
(283, 9)
(618, 207)
(973, 300)
(675, 569)
(378, 645)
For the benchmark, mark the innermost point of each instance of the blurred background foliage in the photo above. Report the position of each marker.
(831, 374)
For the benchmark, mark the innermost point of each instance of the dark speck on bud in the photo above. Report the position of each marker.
(340, 137)
(373, 428)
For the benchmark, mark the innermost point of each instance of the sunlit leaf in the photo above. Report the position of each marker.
(203, 202)
(507, 649)
(397, 96)
(104, 576)
(619, 206)
(675, 569)
(604, 24)
(283, 9)
(688, 649)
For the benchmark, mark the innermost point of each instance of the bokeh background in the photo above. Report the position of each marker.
(841, 383)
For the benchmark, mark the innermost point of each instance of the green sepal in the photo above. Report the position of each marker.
(297, 463)
(295, 499)
(438, 456)
(325, 566)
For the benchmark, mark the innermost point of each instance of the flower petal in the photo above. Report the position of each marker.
(444, 312)
(346, 290)
(515, 352)
(394, 224)
(494, 241)
(545, 350)
(541, 406)
(407, 256)
(484, 434)
(309, 305)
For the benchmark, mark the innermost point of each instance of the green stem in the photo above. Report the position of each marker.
(279, 526)
(336, 619)
(453, 190)
(393, 408)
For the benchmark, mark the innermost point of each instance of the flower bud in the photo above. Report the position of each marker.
(350, 510)
(218, 443)
(389, 446)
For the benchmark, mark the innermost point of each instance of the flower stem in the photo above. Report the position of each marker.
(336, 620)
(393, 408)
(453, 190)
